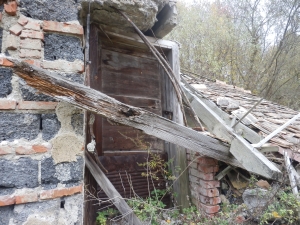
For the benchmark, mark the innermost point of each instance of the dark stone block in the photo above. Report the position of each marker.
(77, 123)
(18, 125)
(65, 173)
(55, 10)
(21, 216)
(1, 36)
(50, 126)
(48, 173)
(6, 191)
(5, 214)
(5, 80)
(76, 170)
(59, 46)
(19, 174)
(31, 94)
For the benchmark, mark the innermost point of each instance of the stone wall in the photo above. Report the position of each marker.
(203, 186)
(41, 140)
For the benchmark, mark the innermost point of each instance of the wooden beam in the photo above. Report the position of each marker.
(292, 178)
(110, 191)
(247, 155)
(247, 133)
(89, 99)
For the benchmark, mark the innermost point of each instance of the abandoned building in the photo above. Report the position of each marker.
(81, 94)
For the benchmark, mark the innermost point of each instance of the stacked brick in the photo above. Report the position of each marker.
(41, 140)
(203, 186)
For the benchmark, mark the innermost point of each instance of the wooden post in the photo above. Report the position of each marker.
(176, 153)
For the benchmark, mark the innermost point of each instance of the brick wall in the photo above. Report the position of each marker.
(203, 186)
(41, 140)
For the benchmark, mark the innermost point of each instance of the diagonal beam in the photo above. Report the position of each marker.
(111, 191)
(89, 99)
(246, 154)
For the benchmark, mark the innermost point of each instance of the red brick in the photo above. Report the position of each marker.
(5, 62)
(213, 192)
(62, 27)
(36, 105)
(24, 150)
(199, 174)
(33, 62)
(23, 20)
(193, 179)
(7, 200)
(16, 29)
(60, 192)
(208, 169)
(209, 200)
(209, 184)
(28, 150)
(33, 26)
(32, 197)
(209, 209)
(11, 8)
(5, 149)
(28, 53)
(193, 165)
(207, 161)
(29, 43)
(32, 34)
(7, 104)
(39, 148)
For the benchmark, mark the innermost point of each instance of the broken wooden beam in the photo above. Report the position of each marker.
(247, 155)
(109, 189)
(288, 166)
(89, 99)
(247, 133)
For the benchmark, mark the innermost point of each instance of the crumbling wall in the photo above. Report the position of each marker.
(41, 140)
(203, 185)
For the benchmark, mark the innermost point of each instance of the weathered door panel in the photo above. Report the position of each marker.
(131, 75)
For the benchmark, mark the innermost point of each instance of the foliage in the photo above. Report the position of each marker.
(251, 43)
(285, 206)
(155, 165)
(104, 215)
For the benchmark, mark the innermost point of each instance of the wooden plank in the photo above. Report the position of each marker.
(246, 154)
(86, 98)
(290, 173)
(119, 36)
(127, 49)
(247, 133)
(110, 191)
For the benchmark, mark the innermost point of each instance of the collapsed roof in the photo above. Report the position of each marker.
(265, 118)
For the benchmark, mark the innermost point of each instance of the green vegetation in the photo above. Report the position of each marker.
(251, 43)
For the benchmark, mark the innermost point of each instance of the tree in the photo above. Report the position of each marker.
(251, 43)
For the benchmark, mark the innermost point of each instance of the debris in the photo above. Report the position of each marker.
(255, 198)
(263, 184)
(237, 181)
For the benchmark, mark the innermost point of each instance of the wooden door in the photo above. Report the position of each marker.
(129, 73)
